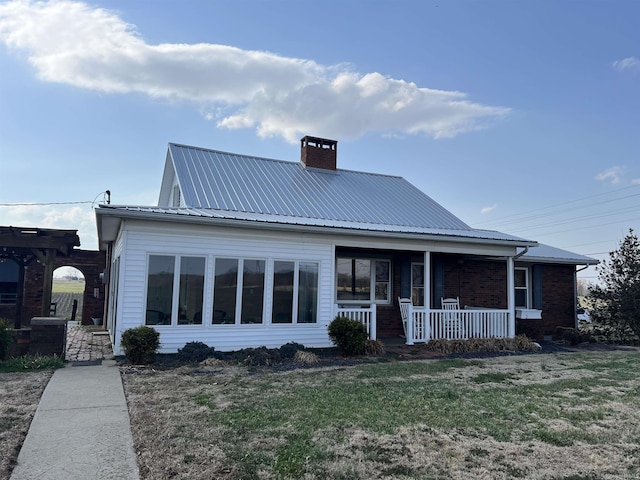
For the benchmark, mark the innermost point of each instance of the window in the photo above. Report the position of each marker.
(9, 271)
(283, 282)
(160, 289)
(521, 283)
(190, 295)
(308, 293)
(224, 291)
(284, 294)
(417, 284)
(176, 196)
(252, 291)
(229, 274)
(358, 278)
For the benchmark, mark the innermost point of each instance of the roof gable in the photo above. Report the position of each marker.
(212, 179)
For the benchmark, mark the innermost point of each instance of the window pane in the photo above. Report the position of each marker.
(521, 298)
(252, 291)
(283, 291)
(354, 279)
(160, 289)
(382, 280)
(520, 278)
(191, 290)
(417, 275)
(308, 293)
(224, 291)
(417, 296)
(382, 291)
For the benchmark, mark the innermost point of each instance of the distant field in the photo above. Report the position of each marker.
(67, 286)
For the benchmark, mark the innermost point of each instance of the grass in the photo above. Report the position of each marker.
(31, 363)
(21, 385)
(533, 416)
(67, 286)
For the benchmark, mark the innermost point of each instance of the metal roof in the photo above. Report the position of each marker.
(548, 254)
(208, 215)
(241, 186)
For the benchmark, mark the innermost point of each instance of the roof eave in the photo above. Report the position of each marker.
(252, 224)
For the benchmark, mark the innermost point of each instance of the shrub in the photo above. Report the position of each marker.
(288, 350)
(32, 362)
(140, 344)
(5, 337)
(348, 335)
(195, 352)
(261, 356)
(306, 358)
(472, 345)
(374, 348)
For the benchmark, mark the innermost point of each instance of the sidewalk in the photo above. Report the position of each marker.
(81, 428)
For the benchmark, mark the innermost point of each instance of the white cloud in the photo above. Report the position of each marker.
(93, 48)
(64, 217)
(635, 181)
(488, 209)
(613, 175)
(629, 63)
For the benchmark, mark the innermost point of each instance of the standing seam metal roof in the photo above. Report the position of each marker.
(210, 179)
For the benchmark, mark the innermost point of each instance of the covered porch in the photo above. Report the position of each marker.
(483, 284)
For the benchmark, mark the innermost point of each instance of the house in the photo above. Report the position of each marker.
(244, 251)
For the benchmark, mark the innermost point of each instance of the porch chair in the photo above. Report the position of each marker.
(404, 304)
(452, 321)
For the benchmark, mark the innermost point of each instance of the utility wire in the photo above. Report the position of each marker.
(519, 215)
(41, 204)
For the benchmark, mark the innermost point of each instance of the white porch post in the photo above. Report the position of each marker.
(427, 295)
(511, 296)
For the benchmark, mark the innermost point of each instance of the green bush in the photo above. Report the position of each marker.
(5, 337)
(29, 363)
(288, 350)
(195, 352)
(350, 336)
(140, 344)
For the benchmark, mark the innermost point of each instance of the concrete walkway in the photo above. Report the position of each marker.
(80, 430)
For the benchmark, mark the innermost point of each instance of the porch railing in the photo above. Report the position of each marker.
(459, 324)
(364, 315)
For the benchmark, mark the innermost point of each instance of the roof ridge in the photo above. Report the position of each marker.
(290, 162)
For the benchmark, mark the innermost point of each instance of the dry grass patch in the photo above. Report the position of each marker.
(19, 397)
(560, 416)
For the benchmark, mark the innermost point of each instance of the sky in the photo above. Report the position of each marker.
(517, 116)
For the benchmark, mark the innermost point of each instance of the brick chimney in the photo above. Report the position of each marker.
(319, 152)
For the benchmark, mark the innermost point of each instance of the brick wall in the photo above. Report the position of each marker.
(477, 283)
(90, 263)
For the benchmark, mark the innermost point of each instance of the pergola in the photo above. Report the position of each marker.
(26, 245)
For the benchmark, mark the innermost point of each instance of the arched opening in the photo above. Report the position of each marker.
(67, 293)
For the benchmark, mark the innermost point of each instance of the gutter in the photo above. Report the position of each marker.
(255, 224)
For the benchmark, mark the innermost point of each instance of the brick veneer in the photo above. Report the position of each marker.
(90, 263)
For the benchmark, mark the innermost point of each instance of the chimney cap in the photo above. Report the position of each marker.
(317, 140)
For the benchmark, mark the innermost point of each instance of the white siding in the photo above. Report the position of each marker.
(142, 239)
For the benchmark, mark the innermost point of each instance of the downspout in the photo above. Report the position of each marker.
(526, 249)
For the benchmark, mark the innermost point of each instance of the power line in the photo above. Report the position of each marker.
(42, 204)
(497, 221)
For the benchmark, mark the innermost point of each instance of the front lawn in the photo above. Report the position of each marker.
(539, 416)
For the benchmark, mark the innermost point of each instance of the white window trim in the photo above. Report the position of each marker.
(526, 288)
(296, 293)
(372, 286)
(175, 295)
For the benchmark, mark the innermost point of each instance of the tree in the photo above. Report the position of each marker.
(617, 297)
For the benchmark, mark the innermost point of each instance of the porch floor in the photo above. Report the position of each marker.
(397, 346)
